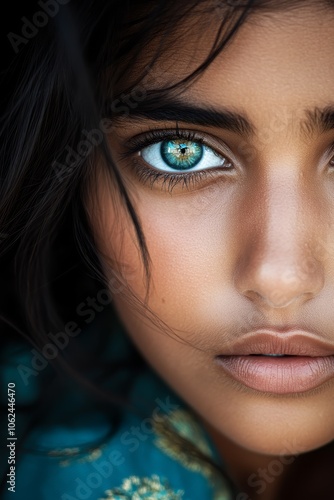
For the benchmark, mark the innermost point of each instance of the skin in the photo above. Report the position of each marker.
(220, 251)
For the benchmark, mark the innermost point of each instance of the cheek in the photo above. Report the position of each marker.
(191, 243)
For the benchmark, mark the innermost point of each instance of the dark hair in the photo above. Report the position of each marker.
(57, 89)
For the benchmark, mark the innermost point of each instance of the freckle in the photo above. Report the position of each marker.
(163, 301)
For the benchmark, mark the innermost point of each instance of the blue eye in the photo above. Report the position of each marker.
(179, 155)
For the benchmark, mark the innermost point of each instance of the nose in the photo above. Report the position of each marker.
(279, 263)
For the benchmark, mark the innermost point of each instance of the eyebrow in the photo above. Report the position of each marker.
(318, 120)
(163, 108)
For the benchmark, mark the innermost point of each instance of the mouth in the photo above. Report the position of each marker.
(277, 363)
(273, 355)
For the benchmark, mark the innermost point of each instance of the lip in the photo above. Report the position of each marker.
(311, 363)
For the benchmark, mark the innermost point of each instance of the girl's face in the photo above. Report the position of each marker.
(241, 234)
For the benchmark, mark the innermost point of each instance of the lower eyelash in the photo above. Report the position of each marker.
(169, 181)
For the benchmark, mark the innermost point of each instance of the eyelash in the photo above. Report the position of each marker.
(330, 153)
(147, 174)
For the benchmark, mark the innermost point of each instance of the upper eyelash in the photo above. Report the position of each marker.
(137, 143)
(331, 152)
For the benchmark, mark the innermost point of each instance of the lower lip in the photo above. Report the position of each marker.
(279, 375)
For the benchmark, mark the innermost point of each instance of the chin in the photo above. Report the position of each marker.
(281, 439)
(273, 426)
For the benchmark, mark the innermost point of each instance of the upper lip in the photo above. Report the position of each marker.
(293, 342)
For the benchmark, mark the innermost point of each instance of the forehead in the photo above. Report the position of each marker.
(280, 59)
(277, 61)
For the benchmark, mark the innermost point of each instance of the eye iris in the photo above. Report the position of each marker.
(181, 154)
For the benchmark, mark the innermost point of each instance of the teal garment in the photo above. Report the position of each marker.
(141, 459)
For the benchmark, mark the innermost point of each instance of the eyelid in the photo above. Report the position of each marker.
(154, 136)
(326, 156)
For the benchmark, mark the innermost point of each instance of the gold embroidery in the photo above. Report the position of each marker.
(143, 488)
(172, 443)
(76, 455)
